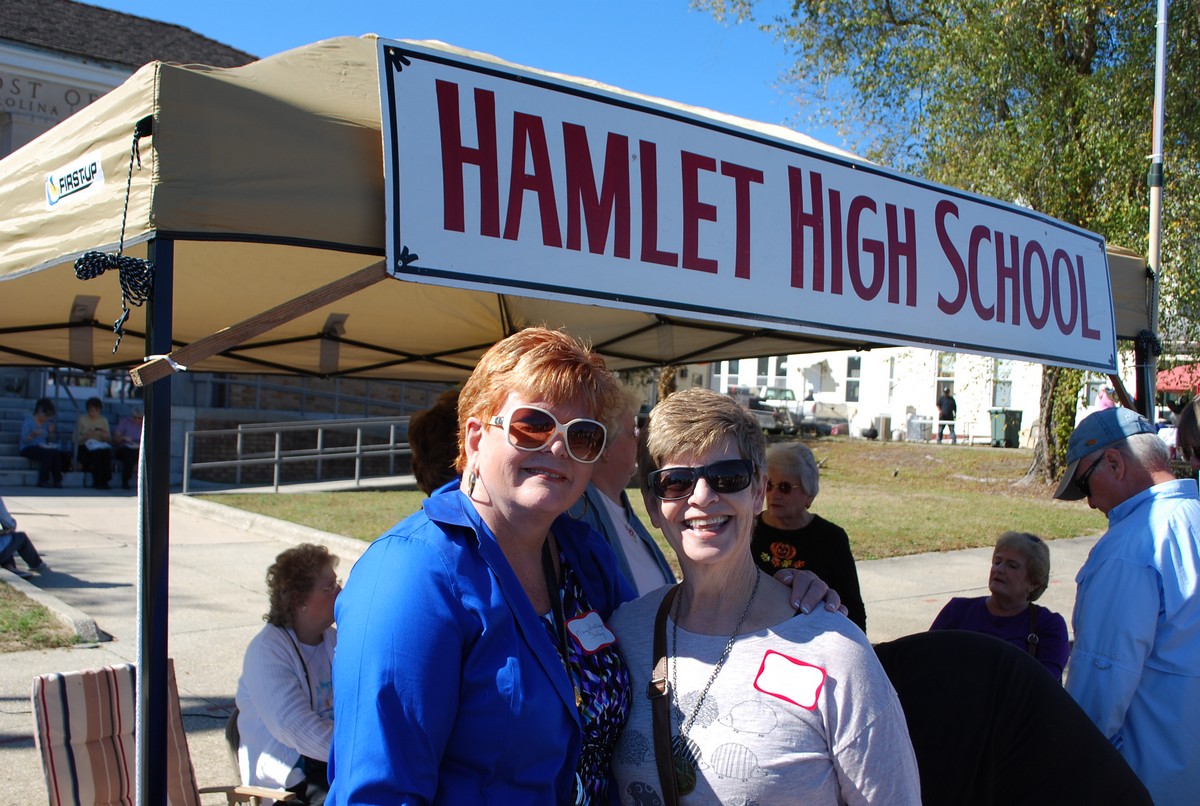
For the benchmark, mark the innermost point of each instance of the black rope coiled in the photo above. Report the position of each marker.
(1149, 343)
(136, 274)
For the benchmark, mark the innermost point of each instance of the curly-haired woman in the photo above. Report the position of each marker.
(285, 694)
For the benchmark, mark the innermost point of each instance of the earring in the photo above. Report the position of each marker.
(581, 515)
(471, 479)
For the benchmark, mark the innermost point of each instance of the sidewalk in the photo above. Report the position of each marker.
(218, 560)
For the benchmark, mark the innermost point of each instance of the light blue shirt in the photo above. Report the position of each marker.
(7, 521)
(27, 439)
(1135, 665)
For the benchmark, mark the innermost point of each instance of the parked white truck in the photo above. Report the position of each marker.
(774, 419)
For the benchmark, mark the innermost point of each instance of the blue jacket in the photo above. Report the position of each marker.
(592, 510)
(447, 688)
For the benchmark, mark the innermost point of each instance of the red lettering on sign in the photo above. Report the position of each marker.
(979, 236)
(1085, 328)
(1033, 250)
(648, 154)
(1060, 269)
(742, 178)
(864, 290)
(1008, 273)
(529, 145)
(586, 206)
(811, 220)
(905, 248)
(943, 209)
(837, 252)
(456, 156)
(695, 211)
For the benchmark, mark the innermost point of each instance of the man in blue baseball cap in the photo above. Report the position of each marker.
(1135, 664)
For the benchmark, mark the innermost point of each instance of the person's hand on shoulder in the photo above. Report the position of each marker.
(810, 592)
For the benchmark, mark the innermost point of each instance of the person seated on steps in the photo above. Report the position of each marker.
(93, 444)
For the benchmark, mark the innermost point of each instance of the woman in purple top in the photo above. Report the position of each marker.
(1020, 573)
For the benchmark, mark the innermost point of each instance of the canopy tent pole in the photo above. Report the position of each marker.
(154, 494)
(1147, 362)
(154, 488)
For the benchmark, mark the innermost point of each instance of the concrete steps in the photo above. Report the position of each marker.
(28, 478)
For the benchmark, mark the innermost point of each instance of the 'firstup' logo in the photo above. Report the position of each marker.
(74, 179)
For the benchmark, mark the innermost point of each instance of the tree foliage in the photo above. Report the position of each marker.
(1046, 103)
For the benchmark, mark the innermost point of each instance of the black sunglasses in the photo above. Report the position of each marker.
(784, 487)
(1081, 483)
(726, 476)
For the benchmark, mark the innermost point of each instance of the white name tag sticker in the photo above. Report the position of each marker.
(590, 632)
(790, 679)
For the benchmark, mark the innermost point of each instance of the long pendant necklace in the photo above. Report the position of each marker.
(560, 625)
(684, 752)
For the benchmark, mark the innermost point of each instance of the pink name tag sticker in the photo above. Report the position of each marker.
(590, 632)
(790, 679)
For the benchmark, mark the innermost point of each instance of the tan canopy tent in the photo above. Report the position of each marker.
(268, 181)
(248, 188)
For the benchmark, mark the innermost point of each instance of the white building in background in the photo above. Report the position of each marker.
(895, 389)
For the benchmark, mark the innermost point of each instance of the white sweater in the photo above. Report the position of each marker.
(275, 698)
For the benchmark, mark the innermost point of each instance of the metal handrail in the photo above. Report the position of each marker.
(397, 431)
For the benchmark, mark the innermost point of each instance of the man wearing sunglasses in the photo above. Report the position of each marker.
(1133, 667)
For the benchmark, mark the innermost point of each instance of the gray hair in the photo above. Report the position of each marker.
(795, 459)
(1037, 558)
(631, 403)
(1146, 450)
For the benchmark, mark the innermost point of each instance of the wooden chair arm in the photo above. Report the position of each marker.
(243, 794)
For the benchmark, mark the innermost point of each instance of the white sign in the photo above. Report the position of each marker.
(75, 181)
(508, 180)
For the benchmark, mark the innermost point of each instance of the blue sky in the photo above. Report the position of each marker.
(658, 47)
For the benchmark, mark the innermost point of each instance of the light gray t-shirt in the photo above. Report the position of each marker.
(800, 711)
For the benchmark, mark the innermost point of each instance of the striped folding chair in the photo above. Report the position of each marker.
(84, 730)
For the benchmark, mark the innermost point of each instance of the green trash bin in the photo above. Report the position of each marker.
(1006, 427)
(1012, 428)
(997, 419)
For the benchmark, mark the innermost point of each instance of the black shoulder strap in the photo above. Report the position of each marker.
(1031, 640)
(660, 700)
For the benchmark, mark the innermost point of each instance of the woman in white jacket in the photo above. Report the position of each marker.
(285, 694)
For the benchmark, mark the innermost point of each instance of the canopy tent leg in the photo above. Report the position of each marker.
(154, 500)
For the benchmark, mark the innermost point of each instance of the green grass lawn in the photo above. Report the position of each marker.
(893, 498)
(25, 624)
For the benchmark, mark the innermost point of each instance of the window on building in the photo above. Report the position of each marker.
(853, 375)
(764, 371)
(1002, 383)
(781, 366)
(945, 374)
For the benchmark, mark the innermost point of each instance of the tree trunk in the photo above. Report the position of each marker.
(666, 381)
(1057, 407)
